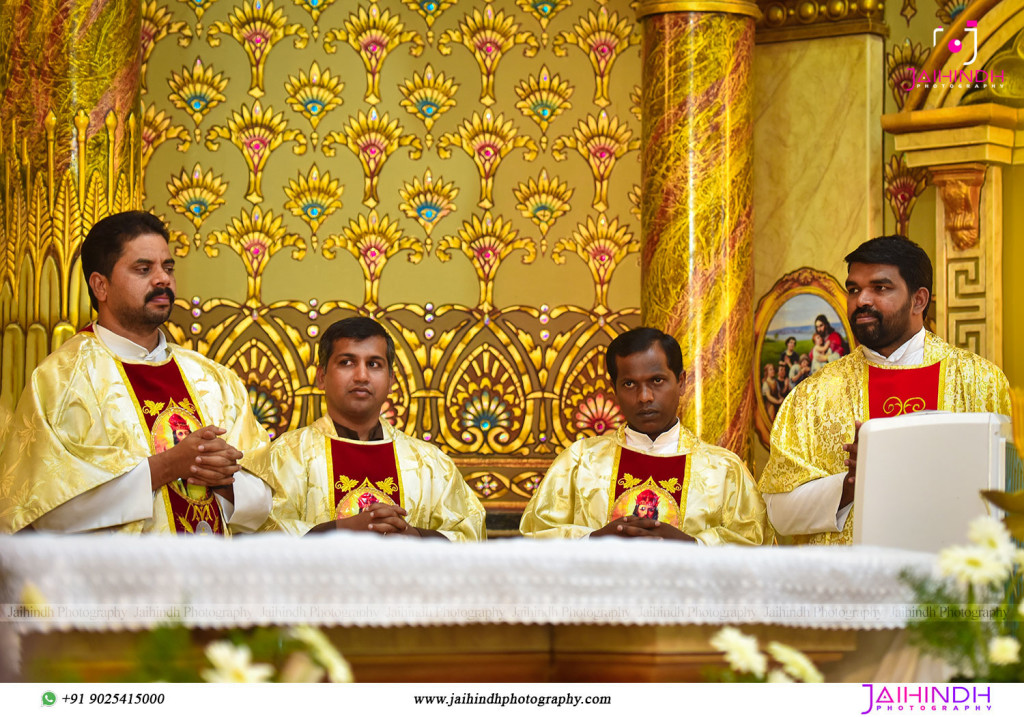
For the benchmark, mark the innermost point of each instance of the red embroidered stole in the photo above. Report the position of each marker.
(896, 391)
(362, 474)
(168, 412)
(649, 486)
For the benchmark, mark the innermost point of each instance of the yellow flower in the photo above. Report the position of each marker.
(971, 564)
(795, 663)
(1003, 651)
(740, 651)
(989, 533)
(233, 663)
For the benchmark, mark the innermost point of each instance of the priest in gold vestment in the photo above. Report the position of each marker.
(652, 478)
(900, 367)
(118, 430)
(352, 470)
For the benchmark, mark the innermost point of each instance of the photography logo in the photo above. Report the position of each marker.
(960, 77)
(956, 44)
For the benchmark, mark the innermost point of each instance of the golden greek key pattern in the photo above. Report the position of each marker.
(965, 301)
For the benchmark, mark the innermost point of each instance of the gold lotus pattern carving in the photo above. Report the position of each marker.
(373, 240)
(428, 96)
(256, 133)
(489, 36)
(315, 94)
(313, 197)
(543, 201)
(604, 37)
(374, 35)
(196, 195)
(601, 141)
(372, 139)
(428, 201)
(197, 90)
(487, 140)
(257, 27)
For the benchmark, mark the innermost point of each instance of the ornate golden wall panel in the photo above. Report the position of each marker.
(465, 172)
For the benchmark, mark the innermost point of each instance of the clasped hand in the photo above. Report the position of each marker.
(201, 458)
(630, 526)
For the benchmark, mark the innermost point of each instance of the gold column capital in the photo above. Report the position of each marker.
(959, 187)
(645, 8)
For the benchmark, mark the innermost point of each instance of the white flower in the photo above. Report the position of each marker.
(1018, 558)
(740, 651)
(1003, 651)
(989, 533)
(795, 663)
(324, 652)
(974, 565)
(233, 663)
(778, 677)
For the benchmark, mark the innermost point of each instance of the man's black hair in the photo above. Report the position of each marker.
(640, 339)
(911, 260)
(104, 244)
(358, 328)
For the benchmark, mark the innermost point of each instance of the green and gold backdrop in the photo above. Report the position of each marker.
(465, 172)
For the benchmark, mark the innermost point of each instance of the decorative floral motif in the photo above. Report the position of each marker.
(156, 25)
(198, 6)
(373, 35)
(544, 98)
(903, 185)
(488, 36)
(372, 139)
(197, 90)
(155, 130)
(543, 10)
(601, 142)
(634, 201)
(313, 198)
(949, 10)
(484, 411)
(486, 242)
(195, 195)
(315, 94)
(373, 240)
(908, 10)
(900, 67)
(429, 10)
(267, 383)
(257, 27)
(255, 237)
(428, 202)
(485, 401)
(596, 415)
(315, 8)
(256, 133)
(543, 201)
(428, 96)
(487, 140)
(635, 103)
(603, 246)
(603, 37)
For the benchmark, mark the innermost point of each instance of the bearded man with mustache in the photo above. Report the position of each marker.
(118, 429)
(899, 367)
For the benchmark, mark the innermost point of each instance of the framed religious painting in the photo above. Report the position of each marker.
(799, 326)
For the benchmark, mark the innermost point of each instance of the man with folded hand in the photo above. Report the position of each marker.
(118, 430)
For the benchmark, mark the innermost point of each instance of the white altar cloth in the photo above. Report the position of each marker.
(50, 582)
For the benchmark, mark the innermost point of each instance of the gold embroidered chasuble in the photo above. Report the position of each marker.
(819, 416)
(721, 504)
(431, 488)
(78, 426)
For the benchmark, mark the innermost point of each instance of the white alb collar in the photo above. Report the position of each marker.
(909, 354)
(126, 349)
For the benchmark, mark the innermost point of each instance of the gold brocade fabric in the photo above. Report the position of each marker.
(819, 416)
(77, 427)
(433, 491)
(722, 503)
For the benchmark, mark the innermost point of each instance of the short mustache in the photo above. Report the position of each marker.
(867, 312)
(163, 291)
